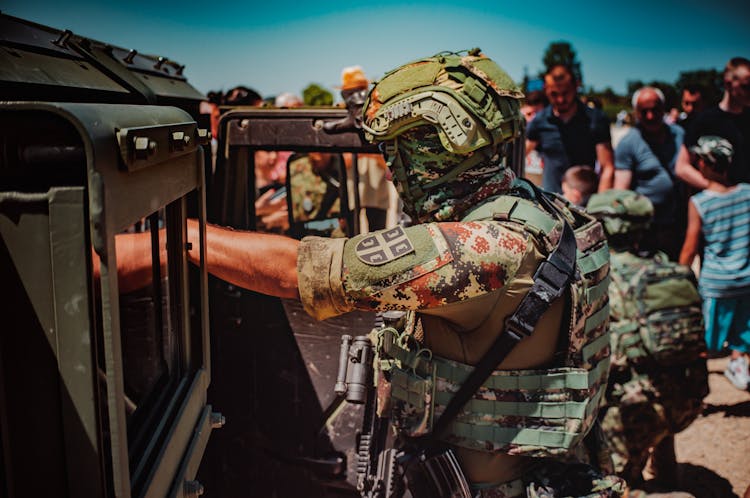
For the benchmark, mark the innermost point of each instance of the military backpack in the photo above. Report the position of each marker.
(656, 312)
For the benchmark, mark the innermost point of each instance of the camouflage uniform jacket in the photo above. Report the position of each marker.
(462, 279)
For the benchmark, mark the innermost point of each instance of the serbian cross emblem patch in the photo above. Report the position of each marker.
(381, 247)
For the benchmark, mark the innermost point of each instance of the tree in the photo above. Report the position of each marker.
(708, 81)
(634, 85)
(671, 95)
(562, 53)
(611, 102)
(315, 95)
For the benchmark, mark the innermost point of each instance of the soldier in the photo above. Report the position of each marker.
(314, 180)
(658, 378)
(491, 265)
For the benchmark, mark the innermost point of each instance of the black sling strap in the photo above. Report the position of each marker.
(550, 281)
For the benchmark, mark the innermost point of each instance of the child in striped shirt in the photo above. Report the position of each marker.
(719, 218)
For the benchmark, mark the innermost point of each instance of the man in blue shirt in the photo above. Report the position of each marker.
(645, 162)
(568, 133)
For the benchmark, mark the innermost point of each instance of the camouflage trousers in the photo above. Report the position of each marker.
(646, 410)
(556, 479)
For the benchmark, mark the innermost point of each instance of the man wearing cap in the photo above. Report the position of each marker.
(495, 277)
(375, 191)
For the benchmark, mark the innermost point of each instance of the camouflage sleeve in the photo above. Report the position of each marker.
(420, 267)
(319, 277)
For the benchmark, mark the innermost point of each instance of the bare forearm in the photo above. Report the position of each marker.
(623, 179)
(691, 176)
(260, 262)
(606, 160)
(530, 145)
(606, 179)
(134, 260)
(687, 255)
(692, 236)
(686, 172)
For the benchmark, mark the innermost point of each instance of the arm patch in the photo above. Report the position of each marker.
(378, 248)
(385, 258)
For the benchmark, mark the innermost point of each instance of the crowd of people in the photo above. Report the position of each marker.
(673, 190)
(687, 175)
(693, 172)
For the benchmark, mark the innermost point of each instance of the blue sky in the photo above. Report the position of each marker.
(282, 45)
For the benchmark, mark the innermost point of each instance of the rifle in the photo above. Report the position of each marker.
(430, 470)
(377, 469)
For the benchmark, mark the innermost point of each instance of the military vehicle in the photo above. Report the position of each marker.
(103, 389)
(109, 389)
(112, 390)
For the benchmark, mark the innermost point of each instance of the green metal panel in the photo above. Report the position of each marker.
(27, 241)
(71, 300)
(179, 438)
(42, 62)
(45, 236)
(27, 344)
(184, 486)
(23, 67)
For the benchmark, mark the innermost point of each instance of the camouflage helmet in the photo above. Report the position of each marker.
(463, 99)
(622, 212)
(716, 151)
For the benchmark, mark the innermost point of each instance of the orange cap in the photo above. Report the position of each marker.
(353, 77)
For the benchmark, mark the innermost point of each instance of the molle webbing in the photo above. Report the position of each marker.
(553, 438)
(478, 421)
(597, 319)
(423, 363)
(597, 291)
(594, 261)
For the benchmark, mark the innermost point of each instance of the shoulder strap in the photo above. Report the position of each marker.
(550, 281)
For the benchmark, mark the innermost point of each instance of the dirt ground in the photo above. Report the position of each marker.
(713, 454)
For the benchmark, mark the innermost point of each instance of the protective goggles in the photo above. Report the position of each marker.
(459, 131)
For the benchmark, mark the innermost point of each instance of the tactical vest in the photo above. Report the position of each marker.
(535, 412)
(657, 318)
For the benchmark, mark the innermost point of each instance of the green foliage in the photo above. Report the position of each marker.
(562, 53)
(610, 101)
(708, 81)
(671, 94)
(634, 85)
(611, 109)
(315, 95)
